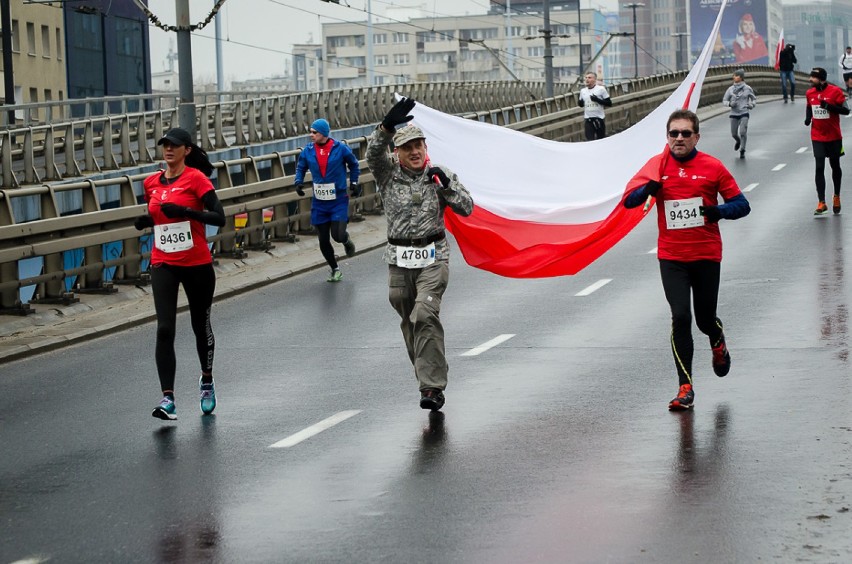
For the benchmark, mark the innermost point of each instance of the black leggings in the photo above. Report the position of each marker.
(595, 128)
(827, 150)
(199, 282)
(327, 231)
(702, 279)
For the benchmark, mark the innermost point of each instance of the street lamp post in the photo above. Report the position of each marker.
(548, 52)
(580, 34)
(680, 54)
(635, 5)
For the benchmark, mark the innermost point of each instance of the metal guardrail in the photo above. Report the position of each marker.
(245, 186)
(65, 149)
(40, 113)
(560, 118)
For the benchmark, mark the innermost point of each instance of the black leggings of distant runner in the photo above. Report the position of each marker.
(701, 279)
(198, 282)
(327, 231)
(827, 150)
(595, 128)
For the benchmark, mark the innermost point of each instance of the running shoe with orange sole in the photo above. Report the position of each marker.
(684, 400)
(835, 204)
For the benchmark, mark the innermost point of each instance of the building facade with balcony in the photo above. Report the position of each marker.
(463, 48)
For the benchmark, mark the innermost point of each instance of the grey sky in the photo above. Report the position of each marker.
(259, 34)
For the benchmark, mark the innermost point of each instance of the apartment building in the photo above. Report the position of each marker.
(464, 48)
(820, 32)
(74, 50)
(38, 53)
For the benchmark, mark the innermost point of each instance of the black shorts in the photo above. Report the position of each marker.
(847, 76)
(827, 149)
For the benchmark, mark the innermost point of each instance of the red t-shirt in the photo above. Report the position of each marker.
(170, 234)
(323, 151)
(702, 176)
(825, 125)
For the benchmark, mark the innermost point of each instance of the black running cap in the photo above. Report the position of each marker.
(820, 73)
(177, 136)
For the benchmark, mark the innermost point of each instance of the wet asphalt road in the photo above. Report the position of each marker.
(554, 446)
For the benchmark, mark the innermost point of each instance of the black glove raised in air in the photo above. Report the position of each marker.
(399, 114)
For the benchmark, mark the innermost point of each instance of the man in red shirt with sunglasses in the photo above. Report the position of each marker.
(690, 245)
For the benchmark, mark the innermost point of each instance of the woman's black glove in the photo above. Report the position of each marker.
(143, 222)
(172, 211)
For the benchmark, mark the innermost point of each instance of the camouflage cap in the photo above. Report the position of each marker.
(408, 133)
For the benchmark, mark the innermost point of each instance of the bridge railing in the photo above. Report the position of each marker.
(61, 148)
(98, 246)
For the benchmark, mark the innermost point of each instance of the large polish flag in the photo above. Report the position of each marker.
(545, 208)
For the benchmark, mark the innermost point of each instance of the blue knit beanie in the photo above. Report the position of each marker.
(321, 126)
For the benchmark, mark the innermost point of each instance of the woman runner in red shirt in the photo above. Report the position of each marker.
(181, 200)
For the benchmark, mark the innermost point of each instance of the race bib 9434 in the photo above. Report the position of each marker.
(415, 257)
(683, 214)
(173, 237)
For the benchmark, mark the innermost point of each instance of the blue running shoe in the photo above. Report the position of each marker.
(166, 410)
(208, 397)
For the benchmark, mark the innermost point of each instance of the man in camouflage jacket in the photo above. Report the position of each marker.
(414, 195)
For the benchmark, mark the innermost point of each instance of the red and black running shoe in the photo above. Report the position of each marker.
(684, 400)
(721, 359)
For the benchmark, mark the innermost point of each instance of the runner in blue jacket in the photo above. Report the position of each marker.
(328, 160)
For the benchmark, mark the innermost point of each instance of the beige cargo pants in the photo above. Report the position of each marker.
(415, 294)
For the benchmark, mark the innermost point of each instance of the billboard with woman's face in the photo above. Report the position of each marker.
(742, 37)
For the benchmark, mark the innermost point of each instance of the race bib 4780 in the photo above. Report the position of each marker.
(415, 257)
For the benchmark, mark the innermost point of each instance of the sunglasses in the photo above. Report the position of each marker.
(685, 133)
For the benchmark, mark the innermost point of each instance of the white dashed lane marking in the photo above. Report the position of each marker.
(596, 286)
(653, 251)
(488, 345)
(779, 167)
(801, 150)
(751, 186)
(315, 429)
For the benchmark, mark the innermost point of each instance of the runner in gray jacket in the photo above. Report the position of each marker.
(740, 98)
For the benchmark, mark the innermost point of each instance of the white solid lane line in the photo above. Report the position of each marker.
(596, 286)
(779, 167)
(801, 150)
(488, 345)
(653, 251)
(751, 186)
(315, 429)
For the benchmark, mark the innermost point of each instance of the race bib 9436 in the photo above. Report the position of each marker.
(683, 214)
(415, 257)
(173, 237)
